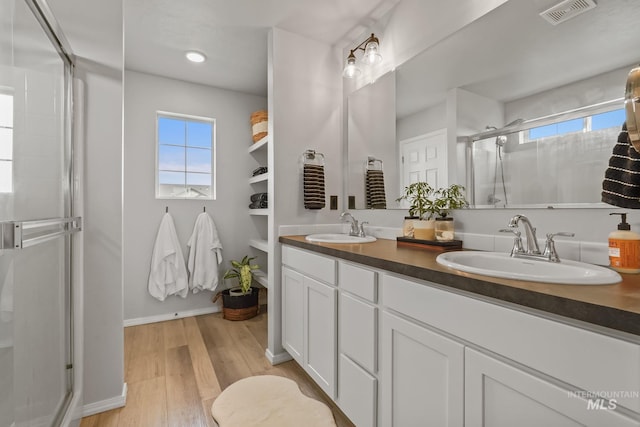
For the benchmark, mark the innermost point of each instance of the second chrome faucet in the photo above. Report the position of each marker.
(532, 249)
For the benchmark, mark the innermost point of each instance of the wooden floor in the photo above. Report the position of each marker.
(174, 370)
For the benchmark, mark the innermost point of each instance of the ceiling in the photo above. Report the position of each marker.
(232, 34)
(522, 54)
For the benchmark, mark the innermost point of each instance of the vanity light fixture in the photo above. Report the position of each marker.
(371, 48)
(195, 56)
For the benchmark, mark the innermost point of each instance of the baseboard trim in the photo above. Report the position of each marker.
(106, 405)
(171, 316)
(276, 359)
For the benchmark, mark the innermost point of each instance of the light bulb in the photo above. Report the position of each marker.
(372, 53)
(351, 69)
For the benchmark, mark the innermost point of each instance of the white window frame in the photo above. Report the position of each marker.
(186, 117)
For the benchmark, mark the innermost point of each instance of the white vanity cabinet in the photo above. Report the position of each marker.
(499, 394)
(394, 351)
(514, 368)
(309, 316)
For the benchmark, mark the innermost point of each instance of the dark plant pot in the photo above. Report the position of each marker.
(240, 307)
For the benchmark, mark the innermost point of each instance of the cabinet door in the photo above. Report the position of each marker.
(320, 357)
(500, 395)
(421, 376)
(357, 391)
(293, 314)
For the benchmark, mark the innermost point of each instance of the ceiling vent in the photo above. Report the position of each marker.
(566, 10)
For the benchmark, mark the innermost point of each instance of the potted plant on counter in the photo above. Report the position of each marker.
(444, 200)
(419, 196)
(241, 302)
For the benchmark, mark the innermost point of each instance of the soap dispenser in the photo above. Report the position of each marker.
(624, 247)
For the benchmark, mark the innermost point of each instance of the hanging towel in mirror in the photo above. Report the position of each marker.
(205, 254)
(621, 185)
(374, 189)
(168, 274)
(313, 182)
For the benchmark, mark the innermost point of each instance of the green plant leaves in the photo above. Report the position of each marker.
(425, 199)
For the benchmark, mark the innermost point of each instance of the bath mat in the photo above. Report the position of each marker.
(266, 401)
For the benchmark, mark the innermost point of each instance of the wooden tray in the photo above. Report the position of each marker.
(434, 245)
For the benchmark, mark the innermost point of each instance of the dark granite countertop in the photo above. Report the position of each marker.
(613, 306)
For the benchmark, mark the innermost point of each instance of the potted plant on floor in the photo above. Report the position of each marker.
(444, 200)
(419, 196)
(241, 302)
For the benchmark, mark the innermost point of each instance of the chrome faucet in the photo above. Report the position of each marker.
(533, 250)
(355, 229)
(550, 253)
(530, 231)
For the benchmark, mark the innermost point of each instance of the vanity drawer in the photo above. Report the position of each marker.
(359, 281)
(309, 264)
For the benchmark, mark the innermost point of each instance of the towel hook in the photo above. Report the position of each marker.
(166, 209)
(310, 156)
(371, 162)
(204, 209)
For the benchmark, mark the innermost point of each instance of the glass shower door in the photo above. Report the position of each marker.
(35, 168)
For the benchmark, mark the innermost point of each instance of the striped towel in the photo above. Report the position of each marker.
(374, 190)
(621, 185)
(313, 181)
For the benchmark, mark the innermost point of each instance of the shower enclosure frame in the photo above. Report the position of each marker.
(53, 31)
(469, 140)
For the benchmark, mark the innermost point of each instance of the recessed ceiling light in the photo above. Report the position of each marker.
(194, 56)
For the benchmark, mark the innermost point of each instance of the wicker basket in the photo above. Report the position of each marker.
(259, 122)
(239, 307)
(240, 313)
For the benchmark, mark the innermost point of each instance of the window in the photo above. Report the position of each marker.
(185, 157)
(6, 143)
(609, 119)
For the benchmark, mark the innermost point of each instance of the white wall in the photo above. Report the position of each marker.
(144, 95)
(421, 123)
(307, 113)
(305, 108)
(100, 68)
(102, 229)
(413, 26)
(601, 88)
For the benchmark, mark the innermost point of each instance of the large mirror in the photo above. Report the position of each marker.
(511, 65)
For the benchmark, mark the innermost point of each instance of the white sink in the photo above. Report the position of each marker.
(338, 238)
(499, 264)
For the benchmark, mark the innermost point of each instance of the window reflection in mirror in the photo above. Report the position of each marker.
(556, 164)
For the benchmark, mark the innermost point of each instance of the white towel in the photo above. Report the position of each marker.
(168, 274)
(205, 254)
(6, 296)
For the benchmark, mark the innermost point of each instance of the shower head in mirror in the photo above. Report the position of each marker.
(516, 122)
